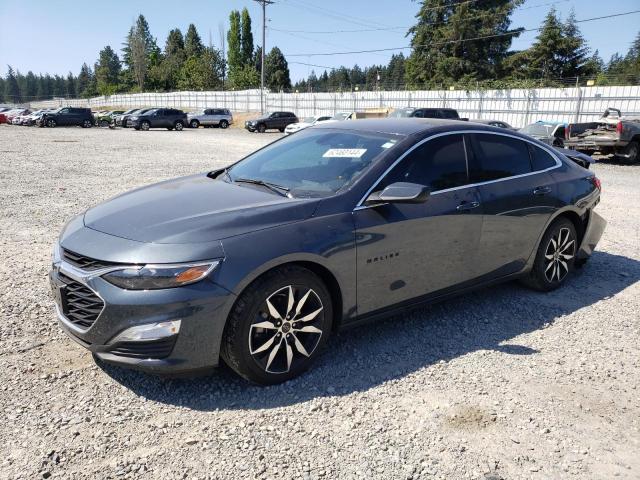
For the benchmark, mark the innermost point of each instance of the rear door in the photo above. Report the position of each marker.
(517, 199)
(407, 251)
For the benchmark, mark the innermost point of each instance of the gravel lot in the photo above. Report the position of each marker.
(504, 383)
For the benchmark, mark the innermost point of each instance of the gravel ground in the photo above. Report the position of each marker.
(503, 383)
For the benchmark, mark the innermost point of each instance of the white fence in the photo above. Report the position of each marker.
(515, 106)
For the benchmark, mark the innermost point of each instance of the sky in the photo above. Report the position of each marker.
(58, 36)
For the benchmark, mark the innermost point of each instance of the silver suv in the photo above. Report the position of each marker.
(207, 117)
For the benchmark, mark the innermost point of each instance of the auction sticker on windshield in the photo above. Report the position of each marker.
(345, 152)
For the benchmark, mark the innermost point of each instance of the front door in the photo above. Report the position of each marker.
(407, 251)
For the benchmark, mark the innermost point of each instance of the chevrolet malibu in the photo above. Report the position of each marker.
(258, 263)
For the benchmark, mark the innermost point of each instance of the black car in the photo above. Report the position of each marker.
(336, 225)
(168, 118)
(275, 120)
(446, 113)
(121, 120)
(67, 116)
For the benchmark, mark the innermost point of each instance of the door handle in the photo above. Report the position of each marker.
(541, 190)
(466, 206)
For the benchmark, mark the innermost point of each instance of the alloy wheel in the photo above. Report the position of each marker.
(145, 126)
(286, 330)
(559, 252)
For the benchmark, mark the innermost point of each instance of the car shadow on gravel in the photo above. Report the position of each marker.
(360, 359)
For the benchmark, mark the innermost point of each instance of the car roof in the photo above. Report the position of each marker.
(399, 126)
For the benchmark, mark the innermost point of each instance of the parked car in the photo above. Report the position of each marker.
(104, 119)
(17, 119)
(447, 113)
(306, 123)
(4, 115)
(28, 120)
(210, 117)
(275, 120)
(67, 116)
(494, 123)
(611, 134)
(123, 120)
(10, 115)
(169, 118)
(551, 133)
(338, 224)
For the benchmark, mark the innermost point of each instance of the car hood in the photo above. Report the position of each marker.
(195, 209)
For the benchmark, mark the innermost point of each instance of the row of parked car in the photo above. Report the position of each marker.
(138, 118)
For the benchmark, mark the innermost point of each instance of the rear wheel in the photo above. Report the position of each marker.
(195, 123)
(278, 326)
(178, 125)
(262, 128)
(223, 124)
(555, 257)
(632, 152)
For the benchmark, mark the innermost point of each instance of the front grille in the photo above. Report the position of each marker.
(153, 349)
(80, 305)
(85, 263)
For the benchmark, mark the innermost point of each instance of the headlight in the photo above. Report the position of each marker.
(55, 254)
(133, 118)
(154, 277)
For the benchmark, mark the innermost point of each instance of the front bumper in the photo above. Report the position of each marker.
(201, 307)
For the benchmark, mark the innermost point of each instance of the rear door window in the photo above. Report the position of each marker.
(498, 156)
(438, 164)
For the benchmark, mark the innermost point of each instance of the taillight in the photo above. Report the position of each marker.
(619, 128)
(596, 182)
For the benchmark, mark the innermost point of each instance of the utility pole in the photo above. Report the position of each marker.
(264, 4)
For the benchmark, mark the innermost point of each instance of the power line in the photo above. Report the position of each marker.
(404, 28)
(484, 37)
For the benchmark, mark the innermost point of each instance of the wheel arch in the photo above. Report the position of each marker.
(310, 263)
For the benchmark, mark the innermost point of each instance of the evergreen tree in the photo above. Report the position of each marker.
(257, 59)
(71, 86)
(84, 82)
(30, 86)
(2, 84)
(139, 48)
(234, 52)
(439, 57)
(276, 71)
(11, 87)
(203, 72)
(574, 53)
(107, 71)
(59, 86)
(192, 43)
(246, 39)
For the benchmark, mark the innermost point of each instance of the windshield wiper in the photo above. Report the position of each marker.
(274, 187)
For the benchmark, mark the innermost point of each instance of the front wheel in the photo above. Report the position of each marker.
(104, 123)
(51, 123)
(278, 326)
(178, 125)
(262, 128)
(555, 257)
(145, 126)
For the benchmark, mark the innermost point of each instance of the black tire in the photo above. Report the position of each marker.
(249, 350)
(104, 123)
(144, 125)
(87, 124)
(136, 128)
(223, 124)
(558, 142)
(51, 123)
(281, 129)
(632, 152)
(554, 261)
(194, 124)
(170, 128)
(262, 128)
(179, 125)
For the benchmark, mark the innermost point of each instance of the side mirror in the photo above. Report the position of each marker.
(400, 192)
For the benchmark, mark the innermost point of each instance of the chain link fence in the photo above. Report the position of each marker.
(517, 107)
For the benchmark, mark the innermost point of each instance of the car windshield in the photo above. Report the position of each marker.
(401, 113)
(314, 163)
(538, 129)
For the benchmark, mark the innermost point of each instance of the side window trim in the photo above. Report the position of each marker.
(558, 164)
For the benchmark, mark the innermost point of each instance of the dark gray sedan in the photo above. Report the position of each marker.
(342, 223)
